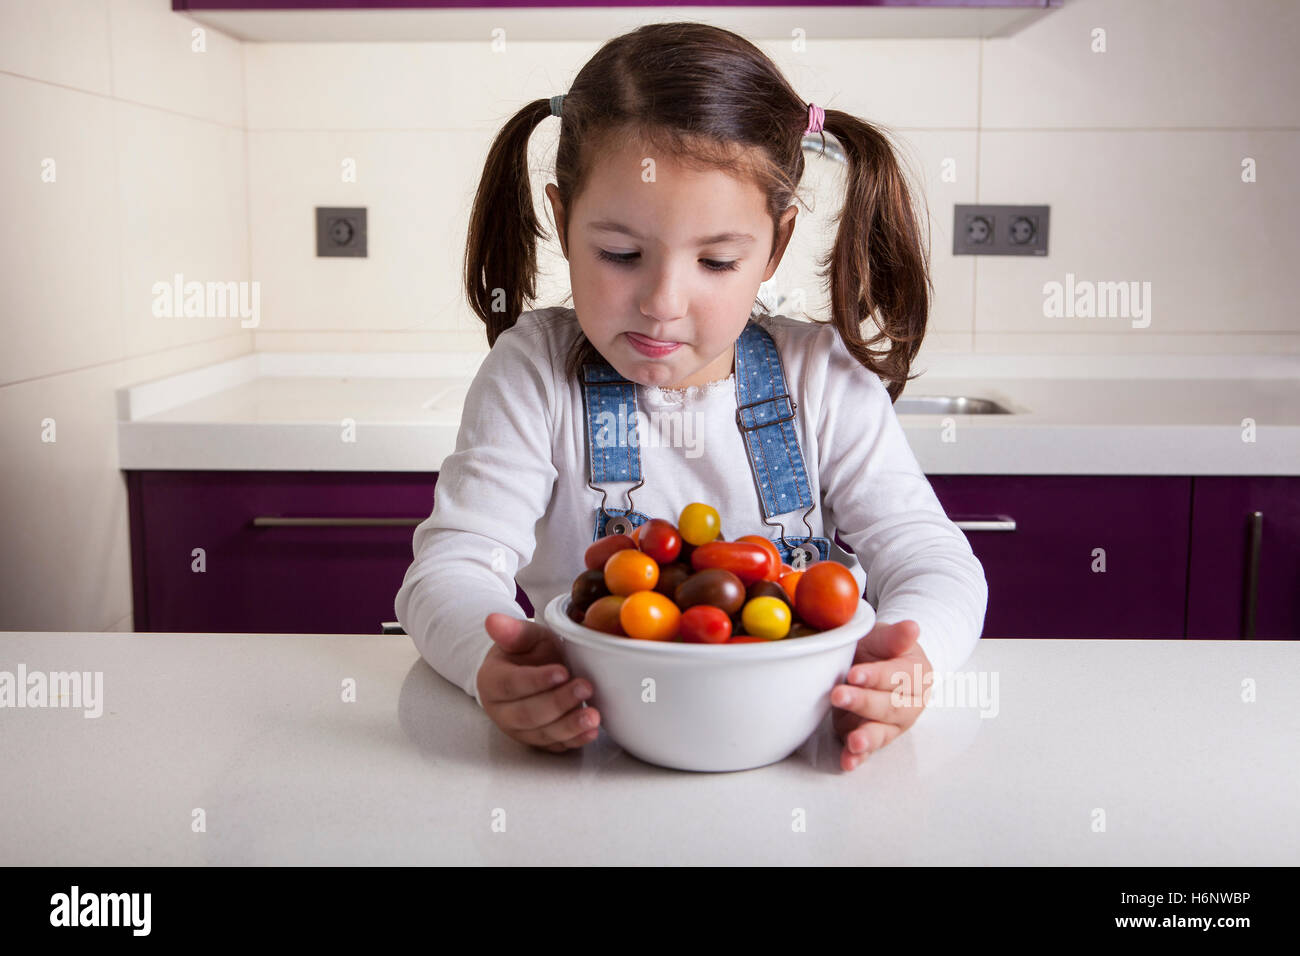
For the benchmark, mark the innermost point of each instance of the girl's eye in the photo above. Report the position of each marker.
(625, 258)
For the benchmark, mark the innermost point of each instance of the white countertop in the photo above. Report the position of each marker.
(1129, 414)
(252, 730)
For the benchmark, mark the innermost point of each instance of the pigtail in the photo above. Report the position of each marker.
(879, 265)
(501, 247)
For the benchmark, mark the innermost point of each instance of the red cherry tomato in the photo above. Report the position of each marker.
(827, 595)
(774, 556)
(660, 540)
(598, 551)
(705, 624)
(749, 562)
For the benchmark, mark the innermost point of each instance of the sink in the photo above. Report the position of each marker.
(948, 405)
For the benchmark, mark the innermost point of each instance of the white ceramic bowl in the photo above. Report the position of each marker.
(716, 707)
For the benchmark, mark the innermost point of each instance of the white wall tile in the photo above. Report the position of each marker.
(59, 240)
(389, 86)
(57, 41)
(1168, 64)
(912, 83)
(155, 63)
(1168, 208)
(184, 210)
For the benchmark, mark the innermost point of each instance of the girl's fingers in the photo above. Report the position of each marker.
(572, 725)
(896, 673)
(516, 683)
(542, 710)
(875, 704)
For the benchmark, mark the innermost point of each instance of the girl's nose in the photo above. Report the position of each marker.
(665, 298)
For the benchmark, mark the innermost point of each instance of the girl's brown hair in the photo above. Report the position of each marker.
(711, 99)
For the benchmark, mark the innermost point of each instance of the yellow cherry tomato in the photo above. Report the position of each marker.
(650, 616)
(699, 523)
(766, 617)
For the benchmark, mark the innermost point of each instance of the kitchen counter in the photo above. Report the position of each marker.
(1093, 415)
(252, 729)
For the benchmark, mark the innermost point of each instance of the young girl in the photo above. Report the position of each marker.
(679, 155)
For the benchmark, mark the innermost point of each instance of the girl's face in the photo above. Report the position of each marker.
(664, 272)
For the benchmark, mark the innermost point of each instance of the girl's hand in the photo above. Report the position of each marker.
(870, 718)
(525, 687)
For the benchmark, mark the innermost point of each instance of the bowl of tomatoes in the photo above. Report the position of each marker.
(655, 621)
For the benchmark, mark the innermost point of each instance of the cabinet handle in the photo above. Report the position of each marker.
(1000, 523)
(1254, 539)
(265, 521)
(391, 627)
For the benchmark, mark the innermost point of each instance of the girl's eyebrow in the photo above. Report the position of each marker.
(605, 225)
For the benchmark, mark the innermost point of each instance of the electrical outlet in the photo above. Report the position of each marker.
(981, 230)
(341, 232)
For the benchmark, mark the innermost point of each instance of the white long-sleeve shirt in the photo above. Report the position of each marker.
(512, 502)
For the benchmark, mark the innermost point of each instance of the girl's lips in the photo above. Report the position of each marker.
(651, 347)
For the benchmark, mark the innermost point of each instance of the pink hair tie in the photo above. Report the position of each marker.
(816, 116)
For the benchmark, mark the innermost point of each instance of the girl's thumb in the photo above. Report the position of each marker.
(513, 635)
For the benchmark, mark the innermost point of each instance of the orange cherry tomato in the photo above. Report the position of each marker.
(650, 616)
(774, 556)
(598, 551)
(789, 581)
(827, 595)
(785, 569)
(749, 562)
(629, 571)
(603, 614)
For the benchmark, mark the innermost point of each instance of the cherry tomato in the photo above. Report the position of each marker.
(650, 616)
(629, 571)
(588, 586)
(670, 576)
(660, 540)
(785, 569)
(699, 523)
(827, 595)
(768, 589)
(774, 556)
(789, 581)
(705, 624)
(716, 586)
(749, 562)
(766, 617)
(598, 551)
(603, 615)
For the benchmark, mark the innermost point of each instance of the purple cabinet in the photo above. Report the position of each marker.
(281, 552)
(1044, 541)
(1244, 573)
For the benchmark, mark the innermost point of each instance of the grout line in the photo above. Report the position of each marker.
(118, 99)
(122, 359)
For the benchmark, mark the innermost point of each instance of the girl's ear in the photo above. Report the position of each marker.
(557, 209)
(785, 230)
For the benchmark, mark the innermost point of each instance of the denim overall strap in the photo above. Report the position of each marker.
(765, 417)
(609, 403)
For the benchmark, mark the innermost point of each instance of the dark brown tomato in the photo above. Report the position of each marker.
(715, 586)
